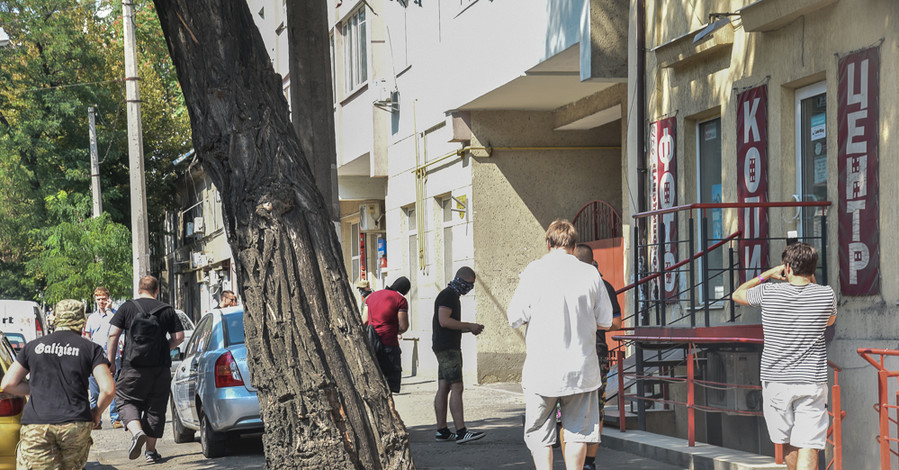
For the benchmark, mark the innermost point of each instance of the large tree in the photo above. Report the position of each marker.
(323, 399)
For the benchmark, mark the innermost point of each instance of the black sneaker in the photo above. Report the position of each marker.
(153, 456)
(465, 435)
(444, 435)
(137, 444)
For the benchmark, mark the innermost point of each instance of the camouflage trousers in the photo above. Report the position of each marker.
(54, 446)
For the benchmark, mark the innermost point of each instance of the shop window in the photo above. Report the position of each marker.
(811, 156)
(355, 50)
(709, 169)
(446, 205)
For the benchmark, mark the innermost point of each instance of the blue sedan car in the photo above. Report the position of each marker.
(211, 391)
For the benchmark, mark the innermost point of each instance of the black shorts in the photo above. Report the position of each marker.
(143, 395)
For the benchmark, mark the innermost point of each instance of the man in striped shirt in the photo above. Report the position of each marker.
(794, 360)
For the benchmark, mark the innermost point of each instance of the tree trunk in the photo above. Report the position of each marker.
(324, 401)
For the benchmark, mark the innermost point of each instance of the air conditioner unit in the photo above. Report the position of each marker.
(201, 276)
(370, 218)
(198, 225)
(198, 259)
(740, 368)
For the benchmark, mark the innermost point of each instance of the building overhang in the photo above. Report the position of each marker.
(548, 86)
(769, 15)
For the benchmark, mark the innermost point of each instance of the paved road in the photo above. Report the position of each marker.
(496, 409)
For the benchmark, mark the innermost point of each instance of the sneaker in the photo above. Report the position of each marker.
(137, 444)
(464, 436)
(153, 456)
(589, 466)
(117, 424)
(445, 435)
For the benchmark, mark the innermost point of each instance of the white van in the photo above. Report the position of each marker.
(23, 317)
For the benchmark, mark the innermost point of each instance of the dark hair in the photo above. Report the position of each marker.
(148, 284)
(466, 274)
(583, 252)
(401, 285)
(801, 257)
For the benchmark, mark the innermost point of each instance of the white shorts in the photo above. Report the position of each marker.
(580, 418)
(796, 413)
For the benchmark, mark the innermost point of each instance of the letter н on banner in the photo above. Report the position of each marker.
(857, 160)
(752, 179)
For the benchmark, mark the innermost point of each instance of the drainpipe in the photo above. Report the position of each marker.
(641, 184)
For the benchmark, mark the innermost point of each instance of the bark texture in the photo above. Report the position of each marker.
(323, 399)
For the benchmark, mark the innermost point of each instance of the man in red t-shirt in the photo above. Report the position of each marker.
(388, 312)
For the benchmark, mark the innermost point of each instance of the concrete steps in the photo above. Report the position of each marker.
(675, 451)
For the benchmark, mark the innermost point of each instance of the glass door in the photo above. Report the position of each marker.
(709, 170)
(811, 158)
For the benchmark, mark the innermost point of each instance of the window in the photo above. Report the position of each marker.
(447, 207)
(355, 259)
(811, 155)
(355, 50)
(709, 164)
(333, 71)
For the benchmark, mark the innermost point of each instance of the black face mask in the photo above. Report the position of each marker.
(461, 286)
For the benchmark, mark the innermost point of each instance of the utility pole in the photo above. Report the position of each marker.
(95, 165)
(140, 240)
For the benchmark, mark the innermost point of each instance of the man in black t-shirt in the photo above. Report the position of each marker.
(143, 390)
(57, 420)
(446, 343)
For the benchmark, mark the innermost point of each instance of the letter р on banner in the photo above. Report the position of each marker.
(752, 179)
(663, 156)
(857, 118)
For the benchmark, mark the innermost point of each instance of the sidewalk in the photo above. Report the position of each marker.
(496, 409)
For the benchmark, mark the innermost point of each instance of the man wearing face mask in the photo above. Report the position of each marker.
(447, 345)
(388, 313)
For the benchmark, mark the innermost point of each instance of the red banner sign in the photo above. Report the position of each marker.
(857, 119)
(663, 162)
(752, 179)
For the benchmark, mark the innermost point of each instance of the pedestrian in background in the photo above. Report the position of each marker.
(228, 299)
(387, 311)
(584, 254)
(97, 330)
(563, 302)
(447, 346)
(794, 358)
(143, 383)
(58, 417)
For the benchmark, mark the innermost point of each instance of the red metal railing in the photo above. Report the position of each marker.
(834, 432)
(883, 406)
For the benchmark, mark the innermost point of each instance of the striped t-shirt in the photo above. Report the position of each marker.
(794, 319)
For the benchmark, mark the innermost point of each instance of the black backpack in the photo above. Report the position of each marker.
(146, 345)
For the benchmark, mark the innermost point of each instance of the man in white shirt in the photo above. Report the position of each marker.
(97, 330)
(563, 302)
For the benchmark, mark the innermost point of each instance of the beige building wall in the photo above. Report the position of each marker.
(520, 192)
(786, 45)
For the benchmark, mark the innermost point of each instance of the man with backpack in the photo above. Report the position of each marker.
(142, 386)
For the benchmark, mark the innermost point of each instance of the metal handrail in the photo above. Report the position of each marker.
(730, 205)
(883, 406)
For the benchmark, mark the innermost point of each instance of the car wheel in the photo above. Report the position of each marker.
(212, 442)
(179, 432)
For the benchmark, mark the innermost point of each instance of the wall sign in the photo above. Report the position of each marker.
(752, 179)
(663, 190)
(857, 121)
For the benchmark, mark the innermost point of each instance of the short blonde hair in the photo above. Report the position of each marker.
(561, 234)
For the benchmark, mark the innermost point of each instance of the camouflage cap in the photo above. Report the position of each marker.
(69, 315)
(362, 284)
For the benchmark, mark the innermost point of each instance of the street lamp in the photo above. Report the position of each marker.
(4, 38)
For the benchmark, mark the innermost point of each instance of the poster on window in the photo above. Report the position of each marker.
(752, 179)
(857, 160)
(663, 163)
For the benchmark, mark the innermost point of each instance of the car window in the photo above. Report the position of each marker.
(197, 341)
(185, 320)
(233, 323)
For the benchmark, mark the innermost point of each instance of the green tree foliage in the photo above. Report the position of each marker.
(80, 253)
(65, 56)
